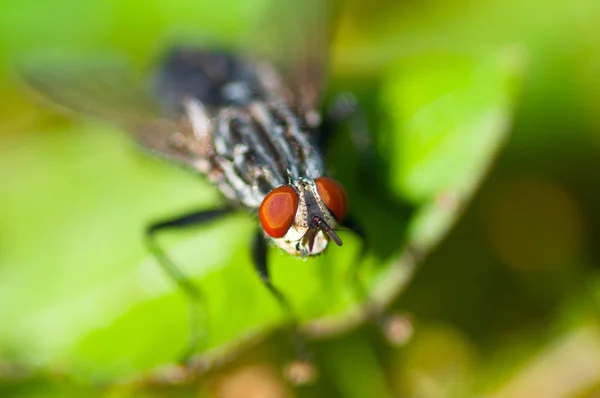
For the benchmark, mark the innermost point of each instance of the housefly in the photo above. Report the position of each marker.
(253, 132)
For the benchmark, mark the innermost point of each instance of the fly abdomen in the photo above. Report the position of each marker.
(214, 78)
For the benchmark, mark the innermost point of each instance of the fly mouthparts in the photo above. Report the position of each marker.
(322, 225)
(334, 237)
(309, 237)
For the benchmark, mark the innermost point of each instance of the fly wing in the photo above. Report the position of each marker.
(299, 44)
(112, 92)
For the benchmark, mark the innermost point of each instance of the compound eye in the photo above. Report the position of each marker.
(278, 211)
(333, 195)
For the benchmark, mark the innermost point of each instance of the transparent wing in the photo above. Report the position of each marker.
(297, 39)
(111, 91)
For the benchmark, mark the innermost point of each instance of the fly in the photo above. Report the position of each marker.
(262, 153)
(255, 136)
(250, 143)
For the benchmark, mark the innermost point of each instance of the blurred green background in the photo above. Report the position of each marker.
(506, 305)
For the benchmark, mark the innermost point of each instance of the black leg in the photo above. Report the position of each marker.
(375, 315)
(396, 327)
(353, 225)
(182, 281)
(259, 256)
(346, 109)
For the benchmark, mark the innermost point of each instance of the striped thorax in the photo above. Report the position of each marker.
(262, 158)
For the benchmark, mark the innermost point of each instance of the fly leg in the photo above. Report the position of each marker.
(354, 273)
(346, 109)
(259, 257)
(396, 327)
(193, 294)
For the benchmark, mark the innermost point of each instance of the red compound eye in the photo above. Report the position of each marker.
(278, 210)
(334, 196)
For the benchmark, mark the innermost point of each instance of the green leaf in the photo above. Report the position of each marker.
(78, 291)
(451, 115)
